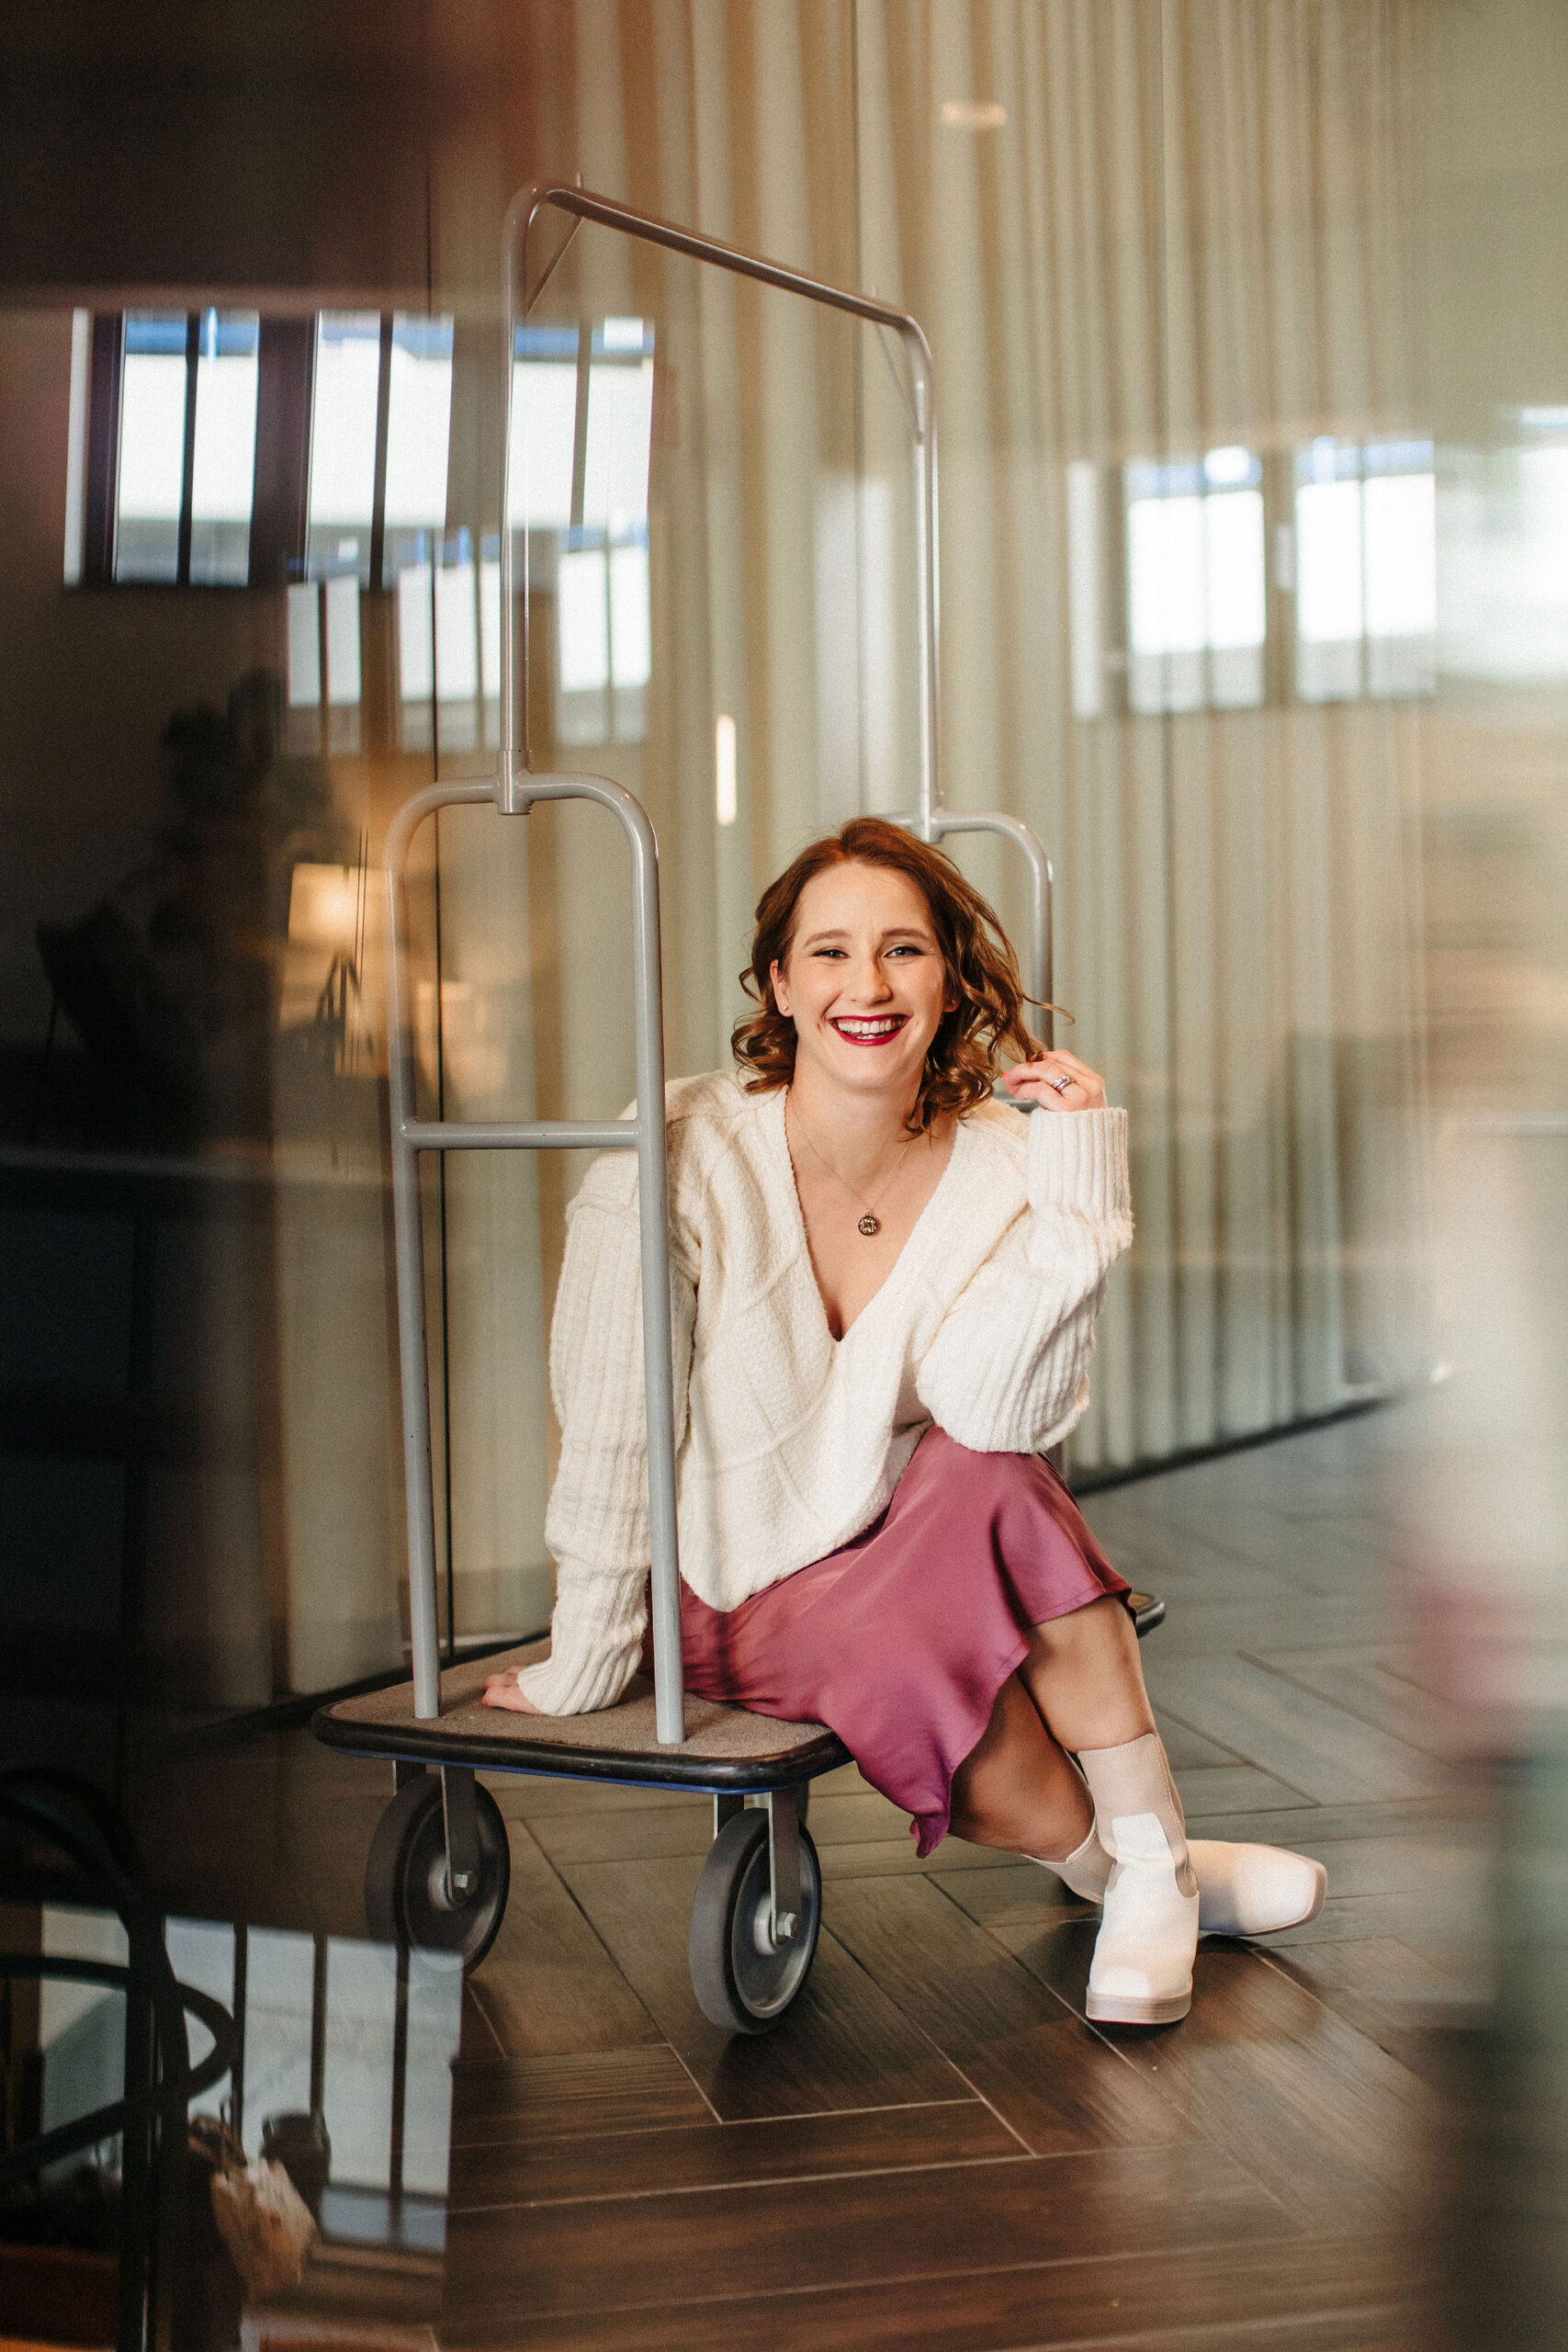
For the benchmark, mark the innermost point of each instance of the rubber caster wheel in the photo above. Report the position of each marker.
(744, 1981)
(405, 1877)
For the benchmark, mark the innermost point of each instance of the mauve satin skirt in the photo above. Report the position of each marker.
(901, 1641)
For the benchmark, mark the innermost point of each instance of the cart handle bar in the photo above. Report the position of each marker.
(643, 1133)
(930, 820)
(582, 204)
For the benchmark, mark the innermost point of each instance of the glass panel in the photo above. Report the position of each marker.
(340, 601)
(1085, 588)
(583, 625)
(631, 639)
(457, 646)
(620, 427)
(201, 1952)
(456, 626)
(726, 781)
(544, 428)
(1165, 587)
(416, 637)
(358, 2090)
(1399, 521)
(224, 469)
(1329, 586)
(1366, 574)
(279, 1983)
(1235, 599)
(1195, 584)
(1505, 530)
(150, 472)
(77, 443)
(489, 618)
(81, 2028)
(419, 420)
(304, 646)
(344, 391)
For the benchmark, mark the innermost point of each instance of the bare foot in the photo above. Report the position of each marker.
(504, 1690)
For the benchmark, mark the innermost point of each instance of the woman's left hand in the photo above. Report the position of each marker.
(1057, 1081)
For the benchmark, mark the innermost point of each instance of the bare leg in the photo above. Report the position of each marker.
(1084, 1675)
(1015, 1789)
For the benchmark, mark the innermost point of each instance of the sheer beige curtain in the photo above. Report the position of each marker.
(1135, 233)
(1190, 232)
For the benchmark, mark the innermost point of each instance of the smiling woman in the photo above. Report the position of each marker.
(980, 1021)
(885, 1285)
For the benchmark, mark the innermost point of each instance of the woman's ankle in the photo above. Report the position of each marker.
(1086, 1870)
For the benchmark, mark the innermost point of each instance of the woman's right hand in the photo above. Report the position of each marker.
(1057, 1081)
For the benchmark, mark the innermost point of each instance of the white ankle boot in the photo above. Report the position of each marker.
(1254, 1890)
(1242, 1890)
(1141, 1969)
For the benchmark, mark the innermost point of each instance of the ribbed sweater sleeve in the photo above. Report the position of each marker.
(596, 1526)
(1005, 1371)
(595, 1640)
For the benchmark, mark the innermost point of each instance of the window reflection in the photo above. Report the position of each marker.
(223, 467)
(77, 443)
(448, 638)
(544, 428)
(319, 2038)
(1365, 569)
(581, 447)
(345, 391)
(1505, 553)
(419, 424)
(151, 471)
(1196, 600)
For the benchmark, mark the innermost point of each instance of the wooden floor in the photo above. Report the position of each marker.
(934, 2150)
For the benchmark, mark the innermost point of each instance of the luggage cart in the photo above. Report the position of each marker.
(437, 1873)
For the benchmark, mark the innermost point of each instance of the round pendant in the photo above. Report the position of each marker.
(870, 1225)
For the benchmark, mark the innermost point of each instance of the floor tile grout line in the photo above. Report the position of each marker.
(1173, 2096)
(1246, 1658)
(1357, 1714)
(1025, 2155)
(1052, 1993)
(572, 1897)
(1271, 1960)
(490, 2026)
(1292, 2241)
(1199, 2334)
(931, 2040)
(724, 2122)
(690, 2074)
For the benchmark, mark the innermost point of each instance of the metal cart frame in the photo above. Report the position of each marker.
(437, 1872)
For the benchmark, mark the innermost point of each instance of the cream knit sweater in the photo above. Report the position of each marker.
(789, 1441)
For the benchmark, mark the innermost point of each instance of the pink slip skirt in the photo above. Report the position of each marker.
(900, 1641)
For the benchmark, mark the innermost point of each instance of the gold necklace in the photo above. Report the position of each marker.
(869, 1223)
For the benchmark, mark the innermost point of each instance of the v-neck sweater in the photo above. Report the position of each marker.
(790, 1442)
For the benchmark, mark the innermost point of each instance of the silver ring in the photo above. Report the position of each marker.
(1061, 1082)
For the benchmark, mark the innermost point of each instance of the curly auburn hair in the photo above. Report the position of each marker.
(981, 971)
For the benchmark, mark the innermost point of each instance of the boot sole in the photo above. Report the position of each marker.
(1110, 2008)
